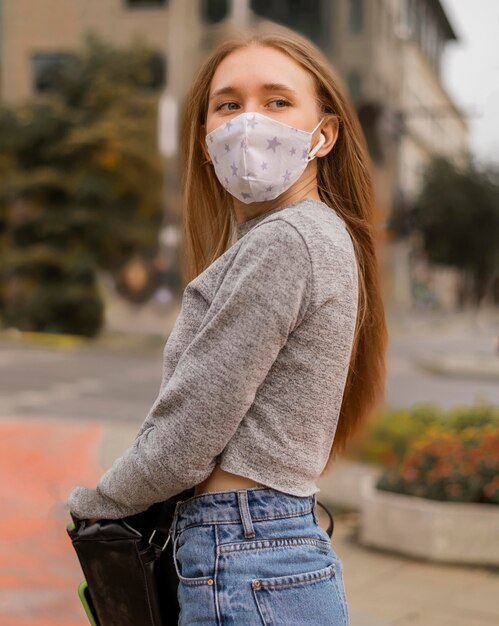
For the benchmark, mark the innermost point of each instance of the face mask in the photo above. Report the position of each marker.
(256, 158)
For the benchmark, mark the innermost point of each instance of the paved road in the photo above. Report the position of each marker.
(408, 383)
(121, 385)
(79, 383)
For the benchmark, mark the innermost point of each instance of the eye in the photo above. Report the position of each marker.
(219, 107)
(281, 103)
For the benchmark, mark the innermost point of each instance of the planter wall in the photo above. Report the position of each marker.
(452, 532)
(342, 485)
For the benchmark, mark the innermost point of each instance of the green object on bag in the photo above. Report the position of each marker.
(86, 600)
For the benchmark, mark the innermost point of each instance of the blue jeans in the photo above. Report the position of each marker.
(253, 557)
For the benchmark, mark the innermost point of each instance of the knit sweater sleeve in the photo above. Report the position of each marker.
(262, 297)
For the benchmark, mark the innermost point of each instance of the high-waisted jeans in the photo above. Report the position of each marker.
(253, 557)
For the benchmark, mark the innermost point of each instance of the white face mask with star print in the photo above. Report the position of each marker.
(256, 158)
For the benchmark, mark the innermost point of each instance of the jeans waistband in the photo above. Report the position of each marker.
(240, 506)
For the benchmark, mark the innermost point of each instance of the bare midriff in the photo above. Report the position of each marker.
(220, 480)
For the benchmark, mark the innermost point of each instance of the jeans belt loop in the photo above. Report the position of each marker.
(242, 499)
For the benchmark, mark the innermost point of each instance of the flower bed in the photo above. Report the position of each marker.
(390, 434)
(449, 466)
(464, 472)
(439, 499)
(447, 532)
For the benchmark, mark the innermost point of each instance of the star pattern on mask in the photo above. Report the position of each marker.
(273, 143)
(241, 158)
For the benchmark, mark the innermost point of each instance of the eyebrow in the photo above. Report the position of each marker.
(267, 87)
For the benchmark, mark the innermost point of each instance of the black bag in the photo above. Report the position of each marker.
(128, 566)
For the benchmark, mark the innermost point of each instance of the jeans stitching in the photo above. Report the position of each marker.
(208, 522)
(261, 603)
(275, 542)
(342, 600)
(198, 580)
(215, 579)
(300, 579)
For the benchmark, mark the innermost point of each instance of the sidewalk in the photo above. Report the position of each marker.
(387, 589)
(40, 461)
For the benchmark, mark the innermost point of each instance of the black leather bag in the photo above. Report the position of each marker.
(128, 566)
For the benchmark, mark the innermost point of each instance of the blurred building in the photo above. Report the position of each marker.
(387, 51)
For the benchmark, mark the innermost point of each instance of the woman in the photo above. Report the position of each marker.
(277, 356)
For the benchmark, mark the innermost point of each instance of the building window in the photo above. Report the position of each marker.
(312, 18)
(157, 71)
(354, 81)
(48, 67)
(154, 72)
(356, 17)
(145, 4)
(213, 11)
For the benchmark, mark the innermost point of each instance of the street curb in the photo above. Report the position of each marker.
(46, 339)
(68, 342)
(483, 367)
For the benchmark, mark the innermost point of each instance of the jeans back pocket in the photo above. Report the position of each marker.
(308, 598)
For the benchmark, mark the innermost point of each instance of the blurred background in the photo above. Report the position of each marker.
(90, 243)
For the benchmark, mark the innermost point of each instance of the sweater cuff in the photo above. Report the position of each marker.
(86, 503)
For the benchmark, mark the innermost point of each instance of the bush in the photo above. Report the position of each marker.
(81, 186)
(389, 435)
(46, 291)
(459, 466)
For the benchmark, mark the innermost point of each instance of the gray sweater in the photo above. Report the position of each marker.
(254, 369)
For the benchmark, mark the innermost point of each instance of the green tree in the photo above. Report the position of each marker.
(80, 185)
(457, 213)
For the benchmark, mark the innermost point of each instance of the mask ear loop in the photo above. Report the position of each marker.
(320, 143)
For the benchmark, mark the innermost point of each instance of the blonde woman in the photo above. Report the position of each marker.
(277, 356)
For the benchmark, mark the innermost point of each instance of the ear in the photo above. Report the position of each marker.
(330, 129)
(202, 140)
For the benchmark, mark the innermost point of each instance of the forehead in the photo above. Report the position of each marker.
(255, 65)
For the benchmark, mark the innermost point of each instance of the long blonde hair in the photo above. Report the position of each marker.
(345, 185)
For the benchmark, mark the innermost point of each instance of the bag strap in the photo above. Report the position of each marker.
(330, 527)
(165, 518)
